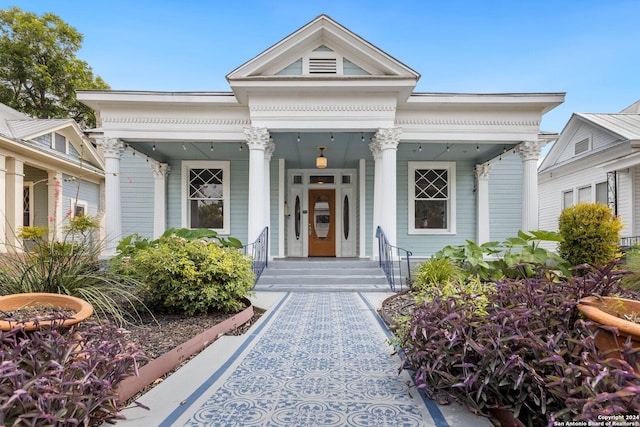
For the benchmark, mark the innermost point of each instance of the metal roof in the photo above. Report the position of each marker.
(624, 124)
(29, 128)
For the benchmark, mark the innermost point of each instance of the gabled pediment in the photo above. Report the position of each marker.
(322, 51)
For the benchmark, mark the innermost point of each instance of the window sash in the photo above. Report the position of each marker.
(206, 195)
(431, 198)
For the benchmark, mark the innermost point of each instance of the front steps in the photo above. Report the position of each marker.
(322, 275)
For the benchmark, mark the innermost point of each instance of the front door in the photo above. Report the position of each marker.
(322, 230)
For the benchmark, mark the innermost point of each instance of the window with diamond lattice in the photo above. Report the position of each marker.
(206, 198)
(431, 195)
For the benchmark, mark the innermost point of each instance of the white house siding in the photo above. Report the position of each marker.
(274, 227)
(626, 200)
(636, 202)
(136, 191)
(598, 139)
(505, 212)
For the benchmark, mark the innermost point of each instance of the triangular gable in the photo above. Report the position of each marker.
(618, 127)
(322, 38)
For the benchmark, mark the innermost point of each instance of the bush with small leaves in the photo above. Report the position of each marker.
(192, 276)
(591, 233)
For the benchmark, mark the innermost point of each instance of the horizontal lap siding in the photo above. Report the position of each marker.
(274, 226)
(426, 245)
(238, 169)
(137, 192)
(505, 197)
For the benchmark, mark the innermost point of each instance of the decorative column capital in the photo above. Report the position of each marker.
(482, 171)
(257, 138)
(160, 170)
(269, 149)
(376, 149)
(388, 138)
(110, 147)
(530, 150)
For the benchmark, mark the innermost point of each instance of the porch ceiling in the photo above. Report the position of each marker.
(343, 152)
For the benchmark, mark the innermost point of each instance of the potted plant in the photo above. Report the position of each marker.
(613, 312)
(32, 311)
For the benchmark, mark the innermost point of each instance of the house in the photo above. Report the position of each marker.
(322, 139)
(595, 159)
(49, 170)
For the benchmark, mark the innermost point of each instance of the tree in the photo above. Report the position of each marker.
(39, 72)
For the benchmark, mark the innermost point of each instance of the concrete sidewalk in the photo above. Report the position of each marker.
(312, 359)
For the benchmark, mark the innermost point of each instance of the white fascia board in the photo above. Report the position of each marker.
(542, 102)
(178, 135)
(98, 99)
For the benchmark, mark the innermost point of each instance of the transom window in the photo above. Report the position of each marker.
(431, 197)
(207, 195)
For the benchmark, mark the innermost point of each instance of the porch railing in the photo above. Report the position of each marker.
(259, 252)
(629, 241)
(392, 261)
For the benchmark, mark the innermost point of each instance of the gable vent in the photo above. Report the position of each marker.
(322, 66)
(581, 146)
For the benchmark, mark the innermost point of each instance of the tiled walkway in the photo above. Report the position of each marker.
(315, 359)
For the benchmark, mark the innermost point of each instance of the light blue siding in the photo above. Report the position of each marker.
(351, 69)
(505, 197)
(136, 192)
(39, 178)
(425, 245)
(239, 183)
(294, 69)
(81, 191)
(369, 182)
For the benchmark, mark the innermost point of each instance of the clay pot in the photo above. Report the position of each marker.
(608, 311)
(16, 301)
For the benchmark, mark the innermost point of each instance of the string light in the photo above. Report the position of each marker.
(362, 136)
(154, 147)
(241, 147)
(477, 147)
(419, 147)
(298, 138)
(448, 148)
(332, 136)
(211, 148)
(184, 147)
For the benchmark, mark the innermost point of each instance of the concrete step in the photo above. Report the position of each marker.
(326, 274)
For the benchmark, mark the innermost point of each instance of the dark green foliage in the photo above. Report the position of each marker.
(530, 353)
(516, 257)
(63, 377)
(39, 72)
(590, 234)
(191, 276)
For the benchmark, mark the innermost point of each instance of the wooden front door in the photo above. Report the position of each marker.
(322, 222)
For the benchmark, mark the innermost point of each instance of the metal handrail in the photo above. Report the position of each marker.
(259, 253)
(386, 257)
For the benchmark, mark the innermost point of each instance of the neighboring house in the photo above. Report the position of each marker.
(595, 159)
(49, 171)
(322, 139)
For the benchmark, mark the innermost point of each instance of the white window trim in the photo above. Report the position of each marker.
(451, 205)
(73, 203)
(573, 198)
(226, 190)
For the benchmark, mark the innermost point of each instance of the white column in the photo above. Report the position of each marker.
(268, 153)
(14, 209)
(530, 152)
(112, 149)
(54, 204)
(257, 140)
(482, 197)
(374, 146)
(389, 138)
(281, 217)
(3, 204)
(160, 172)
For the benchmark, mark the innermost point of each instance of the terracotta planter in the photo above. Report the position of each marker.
(608, 311)
(9, 303)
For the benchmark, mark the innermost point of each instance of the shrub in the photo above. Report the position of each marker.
(530, 353)
(516, 257)
(591, 234)
(632, 264)
(434, 272)
(63, 376)
(192, 276)
(71, 267)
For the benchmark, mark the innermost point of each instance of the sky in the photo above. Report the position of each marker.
(589, 49)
